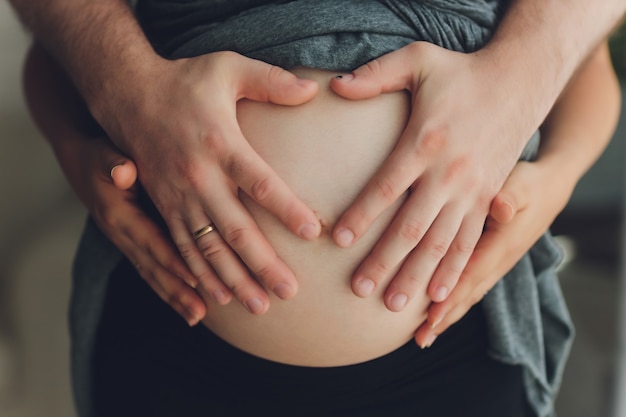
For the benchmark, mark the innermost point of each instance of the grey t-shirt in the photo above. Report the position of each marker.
(329, 34)
(527, 318)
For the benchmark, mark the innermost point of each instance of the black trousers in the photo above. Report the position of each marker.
(148, 362)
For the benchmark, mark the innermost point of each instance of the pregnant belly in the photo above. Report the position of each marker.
(326, 151)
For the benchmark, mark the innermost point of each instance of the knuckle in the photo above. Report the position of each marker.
(265, 272)
(414, 48)
(237, 237)
(438, 249)
(145, 245)
(373, 67)
(187, 250)
(433, 140)
(212, 249)
(227, 58)
(378, 269)
(184, 299)
(173, 299)
(237, 289)
(458, 169)
(463, 247)
(244, 289)
(208, 279)
(275, 74)
(215, 140)
(261, 189)
(386, 189)
(239, 166)
(484, 199)
(359, 217)
(454, 271)
(413, 279)
(192, 174)
(412, 231)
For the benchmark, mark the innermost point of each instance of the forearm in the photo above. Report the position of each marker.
(58, 111)
(98, 42)
(86, 158)
(540, 44)
(583, 120)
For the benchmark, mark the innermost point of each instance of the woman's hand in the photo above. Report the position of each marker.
(192, 159)
(88, 160)
(107, 188)
(465, 133)
(529, 202)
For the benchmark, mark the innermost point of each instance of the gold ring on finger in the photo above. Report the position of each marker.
(204, 231)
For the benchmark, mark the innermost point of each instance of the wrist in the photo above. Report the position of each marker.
(539, 45)
(100, 45)
(123, 89)
(560, 172)
(527, 90)
(119, 73)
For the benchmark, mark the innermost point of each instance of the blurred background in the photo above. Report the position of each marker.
(40, 221)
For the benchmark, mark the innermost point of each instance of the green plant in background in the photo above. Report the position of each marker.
(617, 44)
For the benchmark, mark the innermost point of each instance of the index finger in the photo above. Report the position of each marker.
(238, 228)
(259, 181)
(392, 180)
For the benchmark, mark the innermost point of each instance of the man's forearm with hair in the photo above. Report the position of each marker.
(544, 41)
(98, 42)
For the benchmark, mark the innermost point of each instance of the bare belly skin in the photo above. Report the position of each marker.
(326, 151)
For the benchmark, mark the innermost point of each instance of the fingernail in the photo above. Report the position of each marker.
(191, 282)
(440, 294)
(509, 207)
(429, 342)
(398, 301)
(365, 287)
(344, 237)
(220, 297)
(113, 170)
(345, 77)
(192, 318)
(436, 322)
(283, 290)
(254, 305)
(309, 231)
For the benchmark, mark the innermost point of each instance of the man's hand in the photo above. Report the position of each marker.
(192, 159)
(107, 187)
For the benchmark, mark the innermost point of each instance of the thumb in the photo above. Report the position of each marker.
(502, 208)
(260, 81)
(116, 167)
(124, 174)
(511, 199)
(392, 72)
